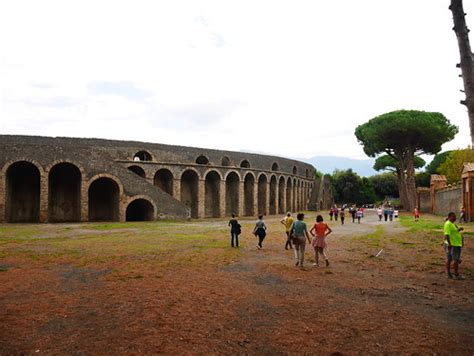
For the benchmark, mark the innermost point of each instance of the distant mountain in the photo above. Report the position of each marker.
(327, 164)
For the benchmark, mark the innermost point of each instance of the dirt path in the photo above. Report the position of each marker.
(239, 301)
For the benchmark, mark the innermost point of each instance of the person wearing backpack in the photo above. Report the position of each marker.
(299, 232)
(235, 230)
(260, 230)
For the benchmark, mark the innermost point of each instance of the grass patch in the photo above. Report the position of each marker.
(427, 223)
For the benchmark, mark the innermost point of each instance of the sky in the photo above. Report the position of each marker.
(287, 78)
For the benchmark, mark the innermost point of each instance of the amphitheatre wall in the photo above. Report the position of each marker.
(45, 179)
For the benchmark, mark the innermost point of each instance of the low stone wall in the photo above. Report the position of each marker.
(424, 202)
(448, 199)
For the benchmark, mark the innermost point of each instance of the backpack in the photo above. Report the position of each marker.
(238, 229)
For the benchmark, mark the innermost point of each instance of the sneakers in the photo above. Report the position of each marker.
(327, 263)
(259, 247)
(297, 263)
(450, 276)
(315, 264)
(458, 277)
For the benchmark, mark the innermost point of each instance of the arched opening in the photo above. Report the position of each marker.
(298, 196)
(164, 180)
(307, 172)
(189, 191)
(142, 156)
(262, 194)
(139, 210)
(275, 167)
(289, 189)
(273, 195)
(137, 170)
(104, 194)
(245, 164)
(64, 203)
(225, 161)
(294, 204)
(232, 194)
(295, 170)
(281, 196)
(202, 160)
(249, 186)
(212, 190)
(23, 192)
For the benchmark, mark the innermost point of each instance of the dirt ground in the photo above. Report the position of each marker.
(179, 288)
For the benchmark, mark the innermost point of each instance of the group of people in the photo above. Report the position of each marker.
(296, 236)
(386, 212)
(355, 212)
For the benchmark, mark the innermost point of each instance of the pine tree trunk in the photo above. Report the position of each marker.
(467, 59)
(410, 181)
(402, 188)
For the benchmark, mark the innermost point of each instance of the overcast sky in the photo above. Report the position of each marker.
(289, 78)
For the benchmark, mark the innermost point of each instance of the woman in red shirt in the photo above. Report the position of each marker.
(320, 230)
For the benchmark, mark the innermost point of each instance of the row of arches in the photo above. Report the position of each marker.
(23, 191)
(146, 156)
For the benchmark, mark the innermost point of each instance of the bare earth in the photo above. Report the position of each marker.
(178, 288)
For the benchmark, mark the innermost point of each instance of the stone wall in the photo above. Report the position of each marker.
(69, 179)
(448, 199)
(424, 200)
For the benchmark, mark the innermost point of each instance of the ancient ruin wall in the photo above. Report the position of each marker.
(447, 200)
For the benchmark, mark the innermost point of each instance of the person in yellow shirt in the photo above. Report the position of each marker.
(287, 221)
(453, 243)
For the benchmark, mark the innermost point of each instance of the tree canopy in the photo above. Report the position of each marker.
(402, 135)
(453, 165)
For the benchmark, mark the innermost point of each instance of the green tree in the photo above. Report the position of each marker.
(423, 179)
(385, 185)
(389, 163)
(402, 135)
(453, 165)
(432, 168)
(349, 188)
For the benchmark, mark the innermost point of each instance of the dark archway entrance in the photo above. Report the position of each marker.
(273, 195)
(164, 180)
(64, 203)
(189, 191)
(212, 194)
(289, 189)
(249, 186)
(232, 194)
(137, 170)
(104, 200)
(262, 195)
(139, 210)
(22, 192)
(281, 196)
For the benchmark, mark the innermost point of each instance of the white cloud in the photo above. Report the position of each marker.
(288, 78)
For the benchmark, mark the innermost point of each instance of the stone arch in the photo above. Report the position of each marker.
(295, 170)
(281, 195)
(212, 192)
(225, 161)
(202, 160)
(23, 187)
(298, 195)
(143, 156)
(307, 173)
(230, 172)
(262, 194)
(275, 167)
(104, 196)
(163, 179)
(245, 164)
(138, 171)
(190, 191)
(289, 190)
(140, 209)
(273, 195)
(294, 198)
(232, 201)
(249, 186)
(64, 190)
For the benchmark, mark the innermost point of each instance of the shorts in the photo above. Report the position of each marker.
(453, 254)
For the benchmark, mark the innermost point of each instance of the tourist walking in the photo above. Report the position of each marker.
(453, 243)
(300, 233)
(353, 212)
(331, 213)
(287, 221)
(380, 213)
(416, 214)
(260, 230)
(462, 215)
(319, 231)
(358, 215)
(336, 213)
(385, 213)
(342, 215)
(235, 230)
(391, 211)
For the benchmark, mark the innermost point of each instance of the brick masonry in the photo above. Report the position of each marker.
(92, 179)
